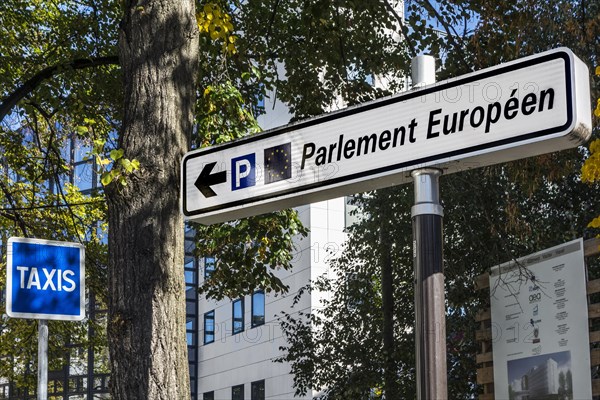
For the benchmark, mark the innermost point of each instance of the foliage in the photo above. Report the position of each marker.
(590, 171)
(30, 193)
(38, 199)
(338, 350)
(491, 215)
(314, 56)
(215, 22)
(223, 115)
(247, 251)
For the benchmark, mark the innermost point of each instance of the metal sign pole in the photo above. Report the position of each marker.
(430, 308)
(42, 388)
(60, 295)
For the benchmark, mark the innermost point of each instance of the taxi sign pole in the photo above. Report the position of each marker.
(42, 387)
(430, 315)
(45, 281)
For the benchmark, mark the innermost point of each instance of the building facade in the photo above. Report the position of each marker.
(239, 339)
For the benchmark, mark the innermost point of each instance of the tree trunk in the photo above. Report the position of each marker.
(390, 373)
(159, 57)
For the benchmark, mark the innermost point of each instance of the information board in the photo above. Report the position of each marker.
(540, 334)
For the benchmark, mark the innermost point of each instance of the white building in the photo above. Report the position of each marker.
(541, 380)
(240, 338)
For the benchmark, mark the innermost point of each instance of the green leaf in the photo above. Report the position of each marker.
(127, 165)
(106, 179)
(116, 154)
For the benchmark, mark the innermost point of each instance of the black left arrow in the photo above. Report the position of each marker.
(206, 180)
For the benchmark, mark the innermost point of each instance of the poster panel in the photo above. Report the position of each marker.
(540, 333)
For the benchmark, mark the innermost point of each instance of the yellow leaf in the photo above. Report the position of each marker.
(590, 171)
(598, 70)
(595, 146)
(595, 223)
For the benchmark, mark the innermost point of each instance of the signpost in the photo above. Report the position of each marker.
(523, 108)
(530, 106)
(45, 280)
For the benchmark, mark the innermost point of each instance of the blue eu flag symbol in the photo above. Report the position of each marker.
(278, 163)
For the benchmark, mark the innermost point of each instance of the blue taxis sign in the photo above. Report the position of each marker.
(45, 280)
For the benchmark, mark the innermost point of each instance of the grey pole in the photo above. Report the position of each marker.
(42, 387)
(430, 307)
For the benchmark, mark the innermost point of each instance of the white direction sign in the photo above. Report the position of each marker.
(527, 107)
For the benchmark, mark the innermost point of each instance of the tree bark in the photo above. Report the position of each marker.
(158, 49)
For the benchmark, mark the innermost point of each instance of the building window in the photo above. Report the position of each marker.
(238, 315)
(191, 272)
(209, 396)
(209, 267)
(209, 327)
(237, 392)
(257, 390)
(258, 308)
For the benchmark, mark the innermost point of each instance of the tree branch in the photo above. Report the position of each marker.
(451, 33)
(403, 28)
(17, 217)
(9, 102)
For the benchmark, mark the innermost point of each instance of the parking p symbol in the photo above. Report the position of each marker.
(243, 171)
